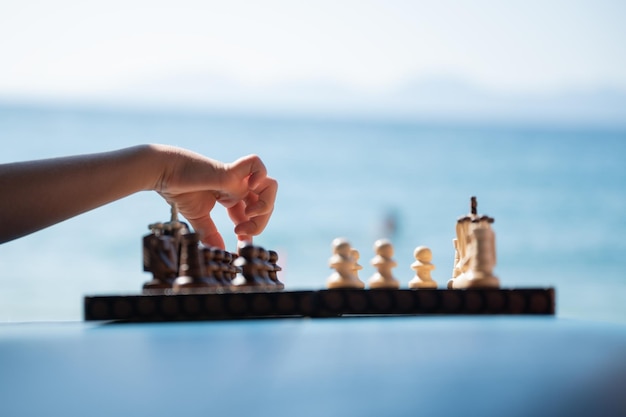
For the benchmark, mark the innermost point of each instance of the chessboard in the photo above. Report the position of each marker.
(193, 282)
(170, 306)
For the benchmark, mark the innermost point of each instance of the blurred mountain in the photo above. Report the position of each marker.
(435, 98)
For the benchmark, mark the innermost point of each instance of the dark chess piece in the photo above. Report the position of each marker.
(160, 257)
(227, 269)
(209, 267)
(190, 274)
(218, 272)
(234, 270)
(275, 269)
(249, 264)
(264, 267)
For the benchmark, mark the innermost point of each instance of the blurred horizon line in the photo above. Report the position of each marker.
(440, 99)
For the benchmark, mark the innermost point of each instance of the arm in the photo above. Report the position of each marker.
(38, 194)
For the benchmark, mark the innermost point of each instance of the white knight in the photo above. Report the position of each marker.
(475, 252)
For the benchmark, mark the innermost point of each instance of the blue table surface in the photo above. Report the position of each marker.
(505, 366)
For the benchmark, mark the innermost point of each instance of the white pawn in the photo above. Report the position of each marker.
(344, 265)
(384, 263)
(422, 267)
(357, 267)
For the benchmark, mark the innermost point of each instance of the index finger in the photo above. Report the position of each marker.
(208, 231)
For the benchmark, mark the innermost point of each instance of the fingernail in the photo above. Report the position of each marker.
(255, 208)
(243, 229)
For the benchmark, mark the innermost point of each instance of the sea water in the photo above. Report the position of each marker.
(558, 195)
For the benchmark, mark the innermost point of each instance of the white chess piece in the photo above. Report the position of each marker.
(355, 258)
(344, 265)
(475, 252)
(482, 259)
(422, 267)
(456, 270)
(384, 263)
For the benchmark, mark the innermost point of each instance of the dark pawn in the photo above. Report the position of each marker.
(209, 268)
(234, 270)
(227, 268)
(218, 273)
(264, 268)
(275, 269)
(190, 270)
(249, 265)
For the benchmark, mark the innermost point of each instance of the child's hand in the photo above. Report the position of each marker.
(195, 183)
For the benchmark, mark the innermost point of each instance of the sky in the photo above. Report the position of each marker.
(71, 48)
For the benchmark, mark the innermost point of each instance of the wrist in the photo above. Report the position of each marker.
(154, 160)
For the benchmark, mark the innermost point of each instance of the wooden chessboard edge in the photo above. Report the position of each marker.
(319, 303)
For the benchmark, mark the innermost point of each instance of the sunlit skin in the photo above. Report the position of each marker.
(37, 194)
